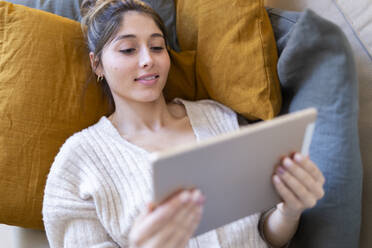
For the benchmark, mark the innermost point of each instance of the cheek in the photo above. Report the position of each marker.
(119, 74)
(121, 67)
(116, 69)
(166, 62)
(115, 64)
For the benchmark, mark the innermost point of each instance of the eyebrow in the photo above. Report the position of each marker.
(126, 36)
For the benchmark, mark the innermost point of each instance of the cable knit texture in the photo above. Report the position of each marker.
(99, 183)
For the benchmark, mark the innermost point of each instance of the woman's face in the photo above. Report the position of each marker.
(136, 63)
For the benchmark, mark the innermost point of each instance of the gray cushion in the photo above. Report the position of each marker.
(66, 8)
(316, 69)
(71, 9)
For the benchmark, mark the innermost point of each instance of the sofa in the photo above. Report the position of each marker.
(355, 19)
(356, 24)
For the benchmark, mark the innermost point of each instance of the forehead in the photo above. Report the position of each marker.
(138, 23)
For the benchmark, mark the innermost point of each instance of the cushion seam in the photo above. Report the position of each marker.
(356, 32)
(260, 23)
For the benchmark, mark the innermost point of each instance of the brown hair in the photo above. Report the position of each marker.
(101, 20)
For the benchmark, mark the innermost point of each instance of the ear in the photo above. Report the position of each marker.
(96, 66)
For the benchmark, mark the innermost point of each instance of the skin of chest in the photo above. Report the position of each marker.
(179, 134)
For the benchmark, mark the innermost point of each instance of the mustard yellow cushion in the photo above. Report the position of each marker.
(43, 68)
(235, 54)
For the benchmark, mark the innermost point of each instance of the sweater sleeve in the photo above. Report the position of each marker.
(69, 213)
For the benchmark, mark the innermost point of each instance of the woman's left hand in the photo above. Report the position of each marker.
(300, 184)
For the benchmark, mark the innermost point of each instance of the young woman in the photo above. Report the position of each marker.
(98, 190)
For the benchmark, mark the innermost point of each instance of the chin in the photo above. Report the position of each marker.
(153, 97)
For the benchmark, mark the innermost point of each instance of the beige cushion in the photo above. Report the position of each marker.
(297, 5)
(359, 15)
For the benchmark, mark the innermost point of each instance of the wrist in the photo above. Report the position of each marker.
(288, 216)
(277, 228)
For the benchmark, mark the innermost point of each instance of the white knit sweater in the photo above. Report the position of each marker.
(99, 183)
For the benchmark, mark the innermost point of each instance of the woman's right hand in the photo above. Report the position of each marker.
(170, 224)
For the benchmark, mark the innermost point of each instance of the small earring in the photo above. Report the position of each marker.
(99, 78)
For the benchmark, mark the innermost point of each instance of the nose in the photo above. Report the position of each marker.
(146, 59)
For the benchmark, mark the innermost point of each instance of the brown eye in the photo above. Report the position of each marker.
(128, 51)
(157, 48)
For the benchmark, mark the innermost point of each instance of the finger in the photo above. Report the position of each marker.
(310, 167)
(316, 188)
(156, 219)
(195, 223)
(179, 220)
(193, 220)
(170, 229)
(296, 187)
(188, 223)
(178, 226)
(287, 195)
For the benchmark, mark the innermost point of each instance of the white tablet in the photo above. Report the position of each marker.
(234, 171)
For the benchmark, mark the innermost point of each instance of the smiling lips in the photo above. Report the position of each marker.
(148, 79)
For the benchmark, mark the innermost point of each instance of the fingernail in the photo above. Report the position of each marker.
(298, 157)
(280, 170)
(185, 197)
(287, 162)
(276, 179)
(196, 196)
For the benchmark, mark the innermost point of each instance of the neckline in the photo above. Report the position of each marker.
(117, 135)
